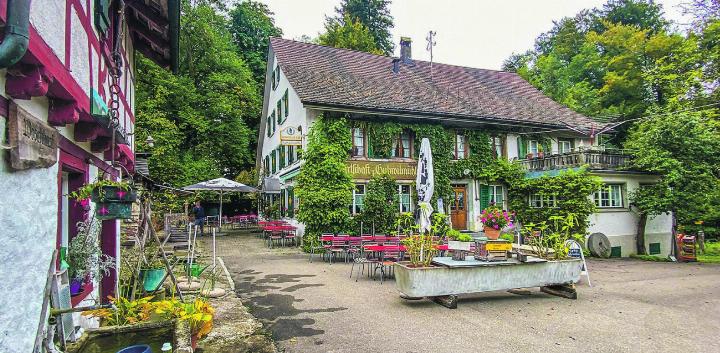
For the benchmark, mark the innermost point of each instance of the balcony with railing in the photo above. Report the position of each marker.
(595, 159)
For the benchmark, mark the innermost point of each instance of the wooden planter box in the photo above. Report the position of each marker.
(449, 281)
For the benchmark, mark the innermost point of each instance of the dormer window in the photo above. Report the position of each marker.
(358, 138)
(403, 145)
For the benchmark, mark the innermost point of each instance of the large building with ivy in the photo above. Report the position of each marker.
(475, 118)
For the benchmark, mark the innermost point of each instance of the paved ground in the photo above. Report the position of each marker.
(633, 306)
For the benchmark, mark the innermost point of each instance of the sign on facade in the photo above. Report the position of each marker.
(369, 169)
(33, 143)
(290, 136)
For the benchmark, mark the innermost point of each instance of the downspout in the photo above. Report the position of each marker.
(17, 35)
(174, 34)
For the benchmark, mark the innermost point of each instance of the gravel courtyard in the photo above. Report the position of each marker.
(633, 306)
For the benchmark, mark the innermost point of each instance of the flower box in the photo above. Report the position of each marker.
(106, 194)
(436, 281)
(113, 210)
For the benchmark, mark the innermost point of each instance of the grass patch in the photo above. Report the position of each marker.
(650, 258)
(711, 254)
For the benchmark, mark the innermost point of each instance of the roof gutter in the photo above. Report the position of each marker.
(17, 35)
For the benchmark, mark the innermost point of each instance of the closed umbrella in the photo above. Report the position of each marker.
(425, 184)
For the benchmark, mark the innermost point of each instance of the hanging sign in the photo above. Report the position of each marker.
(290, 136)
(33, 143)
(362, 169)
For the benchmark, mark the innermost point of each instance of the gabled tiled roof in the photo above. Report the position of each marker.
(328, 76)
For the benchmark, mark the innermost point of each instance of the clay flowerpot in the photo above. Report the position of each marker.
(492, 233)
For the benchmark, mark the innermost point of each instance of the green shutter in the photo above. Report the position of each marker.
(484, 196)
(282, 157)
(102, 15)
(615, 251)
(287, 103)
(522, 147)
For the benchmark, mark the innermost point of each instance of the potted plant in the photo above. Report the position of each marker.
(113, 199)
(154, 272)
(494, 220)
(548, 240)
(459, 243)
(85, 258)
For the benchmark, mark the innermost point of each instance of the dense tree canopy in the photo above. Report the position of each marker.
(201, 118)
(251, 26)
(348, 34)
(373, 15)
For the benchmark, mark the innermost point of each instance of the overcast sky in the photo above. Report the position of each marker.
(476, 33)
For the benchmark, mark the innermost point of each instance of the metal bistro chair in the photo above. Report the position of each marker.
(290, 235)
(389, 258)
(363, 257)
(322, 243)
(338, 246)
(276, 235)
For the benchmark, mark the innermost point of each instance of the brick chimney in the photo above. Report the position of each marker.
(405, 50)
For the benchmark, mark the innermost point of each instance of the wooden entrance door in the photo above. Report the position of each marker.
(458, 208)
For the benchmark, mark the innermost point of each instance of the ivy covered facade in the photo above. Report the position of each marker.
(336, 118)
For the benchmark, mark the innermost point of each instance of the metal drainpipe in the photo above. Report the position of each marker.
(17, 35)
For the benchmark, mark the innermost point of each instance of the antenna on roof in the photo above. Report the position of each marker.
(430, 44)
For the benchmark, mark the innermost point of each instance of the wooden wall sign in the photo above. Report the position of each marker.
(33, 143)
(367, 169)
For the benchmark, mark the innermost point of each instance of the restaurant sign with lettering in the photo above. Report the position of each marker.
(362, 169)
(33, 143)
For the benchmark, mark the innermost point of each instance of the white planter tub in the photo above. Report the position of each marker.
(450, 281)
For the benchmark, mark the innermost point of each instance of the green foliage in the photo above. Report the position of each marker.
(421, 249)
(458, 236)
(200, 119)
(507, 236)
(620, 61)
(684, 148)
(653, 258)
(404, 224)
(84, 256)
(440, 224)
(251, 26)
(381, 204)
(552, 234)
(571, 189)
(324, 186)
(373, 15)
(86, 191)
(349, 34)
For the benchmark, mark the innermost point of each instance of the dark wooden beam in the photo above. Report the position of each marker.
(63, 112)
(149, 52)
(141, 9)
(101, 144)
(27, 81)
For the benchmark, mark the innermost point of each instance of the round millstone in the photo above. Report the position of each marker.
(214, 293)
(187, 287)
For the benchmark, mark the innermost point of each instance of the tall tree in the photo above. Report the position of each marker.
(251, 26)
(348, 34)
(685, 150)
(374, 15)
(199, 118)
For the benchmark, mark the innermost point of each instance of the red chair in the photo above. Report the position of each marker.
(290, 235)
(338, 246)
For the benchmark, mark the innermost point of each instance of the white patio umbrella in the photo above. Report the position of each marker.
(222, 185)
(425, 184)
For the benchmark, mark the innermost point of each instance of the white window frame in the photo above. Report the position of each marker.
(460, 146)
(496, 190)
(357, 208)
(538, 200)
(400, 194)
(534, 150)
(601, 201)
(561, 143)
(362, 134)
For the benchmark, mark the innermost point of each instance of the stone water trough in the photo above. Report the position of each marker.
(448, 278)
